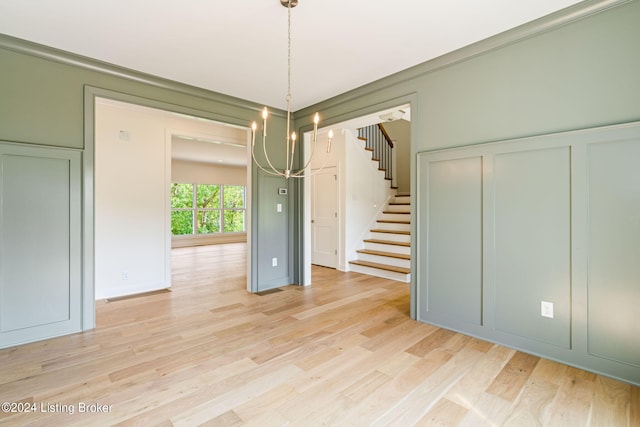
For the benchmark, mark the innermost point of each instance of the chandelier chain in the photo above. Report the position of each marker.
(289, 53)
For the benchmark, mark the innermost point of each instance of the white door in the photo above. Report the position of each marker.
(324, 218)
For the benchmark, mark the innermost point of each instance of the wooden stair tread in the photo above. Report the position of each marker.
(386, 267)
(379, 230)
(387, 242)
(399, 203)
(396, 213)
(383, 253)
(393, 221)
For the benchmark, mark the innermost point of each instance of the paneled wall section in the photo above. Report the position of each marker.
(535, 243)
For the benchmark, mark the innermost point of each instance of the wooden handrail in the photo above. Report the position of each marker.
(386, 135)
(379, 143)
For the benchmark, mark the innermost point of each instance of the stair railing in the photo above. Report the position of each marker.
(377, 141)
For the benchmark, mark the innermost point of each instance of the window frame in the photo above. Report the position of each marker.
(194, 209)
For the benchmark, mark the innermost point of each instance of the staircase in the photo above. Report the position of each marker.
(387, 251)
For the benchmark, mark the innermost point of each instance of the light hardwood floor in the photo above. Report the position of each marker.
(341, 352)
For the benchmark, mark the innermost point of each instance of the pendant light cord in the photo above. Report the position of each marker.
(289, 54)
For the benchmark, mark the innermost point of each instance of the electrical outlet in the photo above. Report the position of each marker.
(125, 275)
(546, 309)
(274, 262)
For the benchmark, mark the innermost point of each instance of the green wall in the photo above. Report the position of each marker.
(576, 69)
(581, 75)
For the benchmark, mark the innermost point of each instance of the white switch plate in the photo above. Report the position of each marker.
(546, 309)
(274, 262)
(279, 207)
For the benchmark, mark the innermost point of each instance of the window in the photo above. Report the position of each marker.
(207, 209)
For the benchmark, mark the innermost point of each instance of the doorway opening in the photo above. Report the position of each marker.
(343, 201)
(140, 153)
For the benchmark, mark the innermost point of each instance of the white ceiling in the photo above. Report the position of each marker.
(239, 48)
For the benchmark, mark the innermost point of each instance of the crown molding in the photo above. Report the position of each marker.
(547, 23)
(63, 57)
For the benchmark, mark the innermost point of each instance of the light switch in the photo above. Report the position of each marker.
(279, 207)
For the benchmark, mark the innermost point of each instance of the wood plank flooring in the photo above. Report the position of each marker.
(340, 352)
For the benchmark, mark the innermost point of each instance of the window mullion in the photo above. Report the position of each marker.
(194, 212)
(221, 207)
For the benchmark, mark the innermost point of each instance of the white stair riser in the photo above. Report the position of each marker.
(403, 250)
(381, 259)
(392, 275)
(393, 226)
(399, 208)
(395, 217)
(402, 199)
(404, 238)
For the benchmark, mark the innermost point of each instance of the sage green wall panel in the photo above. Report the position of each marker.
(34, 211)
(531, 213)
(40, 294)
(614, 251)
(453, 264)
(454, 230)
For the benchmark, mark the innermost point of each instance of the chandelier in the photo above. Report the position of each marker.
(288, 171)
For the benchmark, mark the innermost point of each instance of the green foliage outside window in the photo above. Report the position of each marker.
(208, 221)
(207, 196)
(234, 205)
(181, 222)
(233, 221)
(181, 195)
(215, 208)
(233, 197)
(182, 198)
